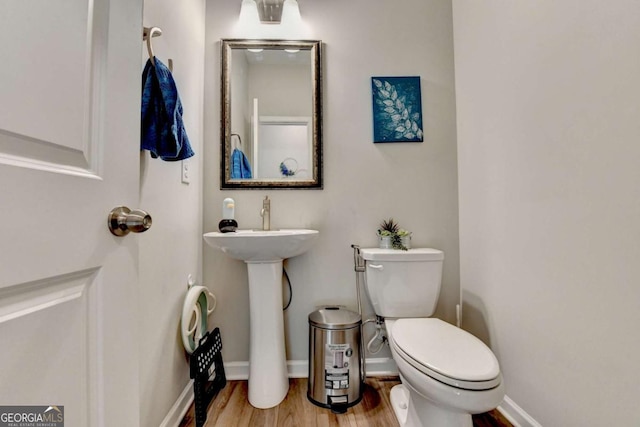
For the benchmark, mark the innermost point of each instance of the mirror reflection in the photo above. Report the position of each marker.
(271, 114)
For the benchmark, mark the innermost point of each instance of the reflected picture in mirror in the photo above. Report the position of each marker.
(271, 114)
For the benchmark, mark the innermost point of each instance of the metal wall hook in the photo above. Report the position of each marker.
(122, 220)
(147, 34)
(239, 139)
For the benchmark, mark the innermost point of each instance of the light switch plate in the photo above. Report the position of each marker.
(186, 172)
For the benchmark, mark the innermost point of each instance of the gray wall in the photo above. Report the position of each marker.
(364, 182)
(548, 101)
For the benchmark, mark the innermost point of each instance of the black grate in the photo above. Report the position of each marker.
(206, 356)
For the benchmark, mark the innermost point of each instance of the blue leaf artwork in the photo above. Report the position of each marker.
(397, 109)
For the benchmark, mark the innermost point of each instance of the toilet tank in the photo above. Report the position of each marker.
(403, 283)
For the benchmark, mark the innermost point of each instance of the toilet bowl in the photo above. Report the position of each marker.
(447, 374)
(443, 384)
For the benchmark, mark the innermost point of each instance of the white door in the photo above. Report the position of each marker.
(69, 153)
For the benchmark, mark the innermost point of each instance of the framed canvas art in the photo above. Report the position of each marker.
(397, 109)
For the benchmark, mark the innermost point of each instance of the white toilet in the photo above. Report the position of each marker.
(447, 374)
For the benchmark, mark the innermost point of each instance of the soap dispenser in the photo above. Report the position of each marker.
(228, 224)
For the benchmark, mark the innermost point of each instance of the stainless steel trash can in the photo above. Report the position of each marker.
(336, 369)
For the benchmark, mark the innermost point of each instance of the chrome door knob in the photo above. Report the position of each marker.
(122, 220)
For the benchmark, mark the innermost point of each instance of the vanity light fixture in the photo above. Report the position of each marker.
(292, 50)
(255, 50)
(270, 11)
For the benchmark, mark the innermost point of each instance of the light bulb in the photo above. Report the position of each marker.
(249, 18)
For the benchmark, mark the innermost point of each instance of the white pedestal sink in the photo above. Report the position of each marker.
(264, 251)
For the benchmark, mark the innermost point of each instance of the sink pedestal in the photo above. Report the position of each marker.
(268, 378)
(263, 252)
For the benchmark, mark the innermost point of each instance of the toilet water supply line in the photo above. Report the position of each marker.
(359, 267)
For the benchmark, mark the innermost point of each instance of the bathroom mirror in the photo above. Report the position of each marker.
(271, 124)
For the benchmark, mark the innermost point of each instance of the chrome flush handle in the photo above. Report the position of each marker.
(122, 220)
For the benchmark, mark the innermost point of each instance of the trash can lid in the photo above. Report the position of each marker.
(333, 317)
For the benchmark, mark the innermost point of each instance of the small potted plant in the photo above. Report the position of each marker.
(405, 239)
(388, 229)
(390, 235)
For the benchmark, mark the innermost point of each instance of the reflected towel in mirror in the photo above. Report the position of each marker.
(240, 166)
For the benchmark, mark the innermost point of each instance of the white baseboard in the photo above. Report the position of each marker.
(179, 409)
(298, 368)
(381, 367)
(236, 370)
(516, 415)
(375, 367)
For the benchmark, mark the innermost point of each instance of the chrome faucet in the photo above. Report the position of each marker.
(265, 213)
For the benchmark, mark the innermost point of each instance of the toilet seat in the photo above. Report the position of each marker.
(199, 303)
(446, 353)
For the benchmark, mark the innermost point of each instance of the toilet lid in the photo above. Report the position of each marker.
(446, 353)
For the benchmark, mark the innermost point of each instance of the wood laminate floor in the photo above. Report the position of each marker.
(231, 408)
